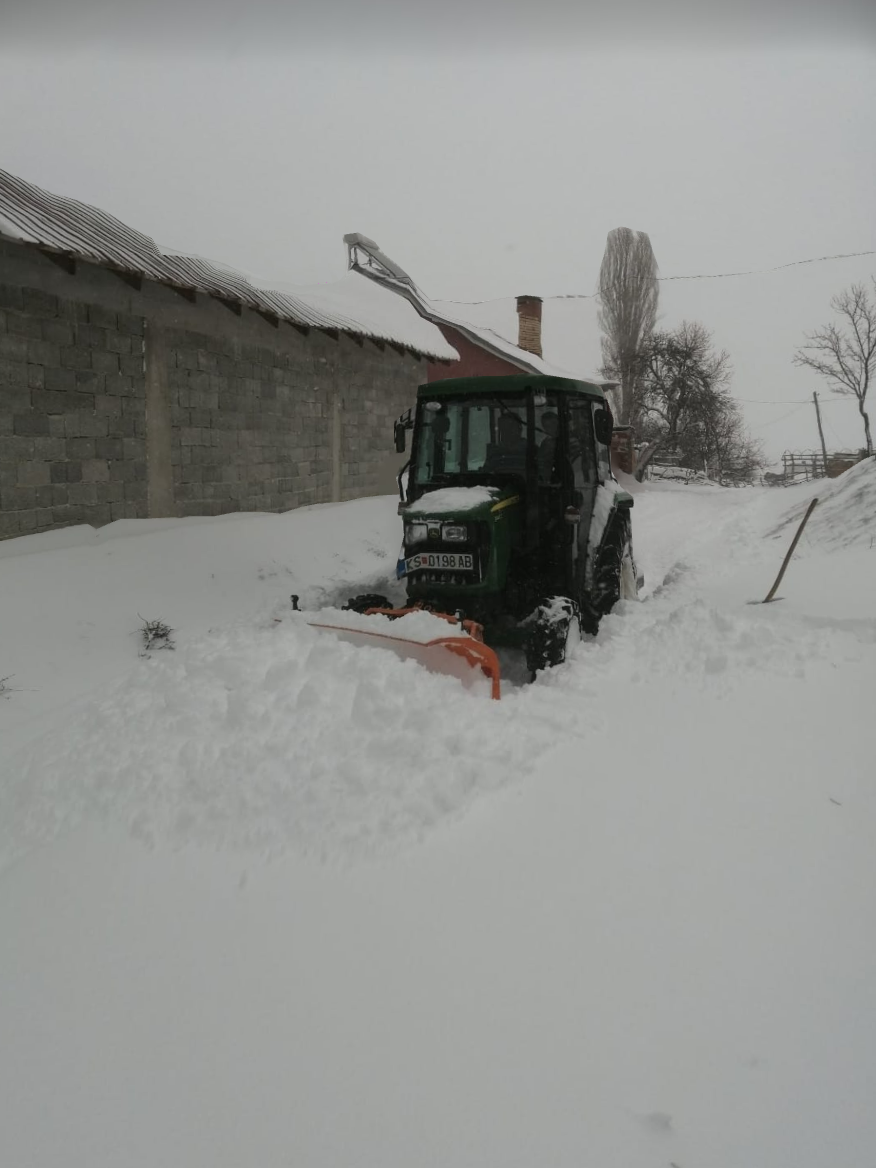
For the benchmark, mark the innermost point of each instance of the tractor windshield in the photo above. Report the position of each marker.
(473, 439)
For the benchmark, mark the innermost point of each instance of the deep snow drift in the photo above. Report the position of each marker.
(621, 917)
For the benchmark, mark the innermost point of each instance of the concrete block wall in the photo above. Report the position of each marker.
(72, 413)
(250, 426)
(120, 402)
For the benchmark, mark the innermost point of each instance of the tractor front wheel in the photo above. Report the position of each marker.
(553, 628)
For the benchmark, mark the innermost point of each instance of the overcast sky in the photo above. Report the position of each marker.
(488, 149)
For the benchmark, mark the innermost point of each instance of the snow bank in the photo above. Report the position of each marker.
(846, 511)
(267, 738)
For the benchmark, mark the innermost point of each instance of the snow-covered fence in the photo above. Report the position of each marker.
(800, 466)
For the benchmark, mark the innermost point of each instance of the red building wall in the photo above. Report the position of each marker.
(473, 360)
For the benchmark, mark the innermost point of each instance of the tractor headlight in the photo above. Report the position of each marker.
(415, 532)
(454, 532)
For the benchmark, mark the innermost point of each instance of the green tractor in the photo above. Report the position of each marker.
(512, 517)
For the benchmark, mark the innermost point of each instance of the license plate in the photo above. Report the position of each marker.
(440, 561)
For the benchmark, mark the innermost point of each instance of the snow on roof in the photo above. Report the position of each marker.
(455, 315)
(492, 324)
(570, 332)
(78, 230)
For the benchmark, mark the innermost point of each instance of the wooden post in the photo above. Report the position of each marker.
(787, 559)
(820, 431)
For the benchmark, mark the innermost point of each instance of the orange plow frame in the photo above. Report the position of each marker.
(470, 648)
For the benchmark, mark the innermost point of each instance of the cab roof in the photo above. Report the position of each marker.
(499, 386)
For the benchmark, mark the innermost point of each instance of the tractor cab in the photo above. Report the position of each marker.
(524, 455)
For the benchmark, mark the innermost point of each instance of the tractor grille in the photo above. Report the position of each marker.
(477, 546)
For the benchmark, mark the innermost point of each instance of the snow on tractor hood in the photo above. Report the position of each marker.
(453, 500)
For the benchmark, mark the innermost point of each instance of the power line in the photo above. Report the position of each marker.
(780, 267)
(699, 276)
(782, 417)
(789, 401)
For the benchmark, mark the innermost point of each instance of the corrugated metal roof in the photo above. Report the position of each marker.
(78, 230)
(365, 257)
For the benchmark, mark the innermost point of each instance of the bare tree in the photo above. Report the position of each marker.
(845, 354)
(720, 443)
(683, 385)
(628, 293)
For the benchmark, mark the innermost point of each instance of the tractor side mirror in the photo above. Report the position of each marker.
(399, 430)
(604, 426)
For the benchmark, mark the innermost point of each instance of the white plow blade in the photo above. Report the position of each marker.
(459, 656)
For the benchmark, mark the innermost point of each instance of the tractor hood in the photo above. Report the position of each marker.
(470, 502)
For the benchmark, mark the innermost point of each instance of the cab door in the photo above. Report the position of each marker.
(585, 478)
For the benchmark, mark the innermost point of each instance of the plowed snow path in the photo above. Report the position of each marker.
(263, 733)
(622, 917)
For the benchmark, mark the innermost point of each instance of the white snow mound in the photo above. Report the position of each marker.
(846, 511)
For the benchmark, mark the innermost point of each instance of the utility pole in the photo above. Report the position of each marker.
(820, 431)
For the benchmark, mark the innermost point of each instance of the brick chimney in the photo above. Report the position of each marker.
(529, 324)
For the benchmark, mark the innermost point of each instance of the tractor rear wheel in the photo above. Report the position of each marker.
(615, 575)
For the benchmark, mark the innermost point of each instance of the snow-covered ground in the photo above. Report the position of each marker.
(272, 899)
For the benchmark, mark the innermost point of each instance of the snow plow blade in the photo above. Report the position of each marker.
(460, 654)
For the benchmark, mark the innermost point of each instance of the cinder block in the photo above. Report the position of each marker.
(90, 336)
(118, 342)
(49, 401)
(10, 524)
(95, 470)
(11, 296)
(108, 363)
(84, 493)
(131, 366)
(122, 472)
(130, 324)
(13, 373)
(100, 514)
(109, 448)
(36, 377)
(135, 492)
(30, 424)
(24, 327)
(43, 353)
(49, 449)
(91, 424)
(80, 448)
(73, 310)
(105, 403)
(17, 498)
(102, 316)
(75, 357)
(59, 332)
(38, 302)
